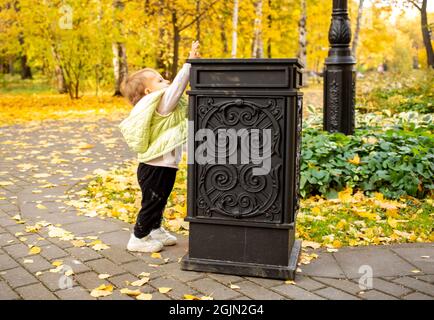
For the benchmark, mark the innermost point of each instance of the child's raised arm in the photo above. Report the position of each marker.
(174, 92)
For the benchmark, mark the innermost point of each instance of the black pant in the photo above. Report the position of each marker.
(156, 183)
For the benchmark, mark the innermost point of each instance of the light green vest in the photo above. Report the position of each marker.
(150, 134)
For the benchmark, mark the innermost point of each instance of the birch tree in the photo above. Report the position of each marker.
(120, 66)
(302, 37)
(357, 31)
(235, 29)
(258, 50)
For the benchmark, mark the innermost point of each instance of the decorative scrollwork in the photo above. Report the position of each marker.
(232, 190)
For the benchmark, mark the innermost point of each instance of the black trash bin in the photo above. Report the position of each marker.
(244, 223)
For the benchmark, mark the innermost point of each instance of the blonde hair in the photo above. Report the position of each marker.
(133, 88)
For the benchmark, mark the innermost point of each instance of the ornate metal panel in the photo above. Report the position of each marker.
(231, 191)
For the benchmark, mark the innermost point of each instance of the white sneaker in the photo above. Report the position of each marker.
(164, 236)
(145, 244)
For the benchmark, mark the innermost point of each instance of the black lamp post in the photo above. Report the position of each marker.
(339, 74)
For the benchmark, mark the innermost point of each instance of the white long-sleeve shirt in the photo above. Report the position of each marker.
(167, 104)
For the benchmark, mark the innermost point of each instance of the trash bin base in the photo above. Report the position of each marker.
(246, 269)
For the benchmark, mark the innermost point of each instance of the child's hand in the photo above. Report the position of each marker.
(194, 52)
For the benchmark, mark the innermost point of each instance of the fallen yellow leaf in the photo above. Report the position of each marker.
(164, 289)
(35, 250)
(144, 296)
(132, 293)
(141, 282)
(102, 291)
(355, 160)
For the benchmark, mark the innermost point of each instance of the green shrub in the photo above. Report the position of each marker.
(413, 93)
(394, 162)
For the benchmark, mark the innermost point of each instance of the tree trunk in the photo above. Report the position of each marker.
(176, 40)
(120, 67)
(234, 29)
(26, 72)
(223, 37)
(302, 39)
(59, 73)
(162, 47)
(270, 25)
(258, 50)
(120, 64)
(426, 35)
(357, 31)
(198, 20)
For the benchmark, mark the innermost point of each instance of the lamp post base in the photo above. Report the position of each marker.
(246, 269)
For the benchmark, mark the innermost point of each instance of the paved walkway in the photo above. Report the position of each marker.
(39, 163)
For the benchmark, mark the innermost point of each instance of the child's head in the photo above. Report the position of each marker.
(141, 83)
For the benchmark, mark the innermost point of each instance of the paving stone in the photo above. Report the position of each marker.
(39, 263)
(295, 293)
(257, 292)
(223, 278)
(52, 252)
(35, 292)
(414, 256)
(116, 295)
(105, 266)
(335, 294)
(242, 298)
(137, 267)
(417, 296)
(341, 284)
(179, 289)
(214, 289)
(6, 293)
(33, 240)
(74, 293)
(6, 262)
(89, 226)
(7, 221)
(9, 208)
(376, 295)
(84, 253)
(265, 282)
(16, 228)
(417, 285)
(54, 280)
(308, 283)
(65, 219)
(17, 251)
(76, 265)
(7, 239)
(390, 264)
(390, 287)
(428, 278)
(118, 238)
(118, 256)
(61, 243)
(89, 280)
(174, 269)
(120, 281)
(324, 266)
(18, 277)
(159, 296)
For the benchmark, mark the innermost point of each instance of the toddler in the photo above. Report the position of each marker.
(156, 129)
